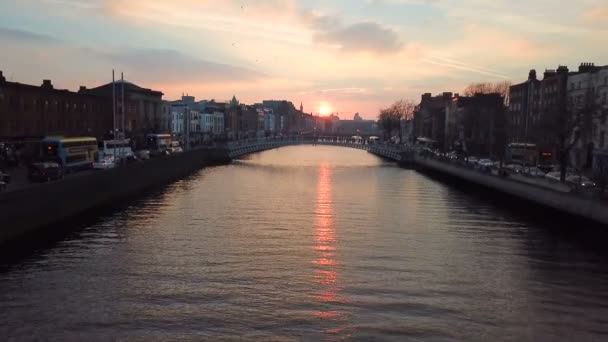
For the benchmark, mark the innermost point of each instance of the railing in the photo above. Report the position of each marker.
(395, 152)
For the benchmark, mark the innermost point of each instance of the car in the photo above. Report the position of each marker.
(553, 176)
(106, 162)
(485, 165)
(175, 147)
(472, 160)
(581, 181)
(44, 172)
(142, 154)
(514, 168)
(533, 172)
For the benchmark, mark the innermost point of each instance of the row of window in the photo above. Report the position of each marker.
(47, 105)
(578, 84)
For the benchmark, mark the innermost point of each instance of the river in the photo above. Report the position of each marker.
(309, 243)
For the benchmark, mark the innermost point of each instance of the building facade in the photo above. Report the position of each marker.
(587, 98)
(142, 108)
(524, 102)
(29, 112)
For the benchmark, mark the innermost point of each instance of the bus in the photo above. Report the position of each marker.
(529, 155)
(72, 154)
(522, 154)
(158, 143)
(119, 148)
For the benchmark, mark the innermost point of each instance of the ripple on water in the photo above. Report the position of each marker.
(309, 243)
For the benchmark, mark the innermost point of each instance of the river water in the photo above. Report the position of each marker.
(309, 243)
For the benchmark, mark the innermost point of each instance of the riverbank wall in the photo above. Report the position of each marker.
(33, 209)
(563, 202)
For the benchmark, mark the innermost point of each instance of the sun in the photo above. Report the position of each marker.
(324, 110)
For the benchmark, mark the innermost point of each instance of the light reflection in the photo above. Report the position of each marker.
(326, 265)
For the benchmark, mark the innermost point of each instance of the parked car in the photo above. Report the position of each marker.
(485, 165)
(106, 162)
(514, 168)
(533, 172)
(581, 181)
(553, 176)
(175, 147)
(142, 154)
(5, 178)
(44, 172)
(472, 160)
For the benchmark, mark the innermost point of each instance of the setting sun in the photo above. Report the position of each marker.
(324, 110)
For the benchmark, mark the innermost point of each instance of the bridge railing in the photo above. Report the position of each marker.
(392, 151)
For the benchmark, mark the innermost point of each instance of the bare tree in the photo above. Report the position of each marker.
(386, 121)
(392, 116)
(501, 88)
(573, 122)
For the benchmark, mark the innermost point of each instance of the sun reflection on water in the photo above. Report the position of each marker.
(326, 266)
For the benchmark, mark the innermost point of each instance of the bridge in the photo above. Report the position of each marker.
(398, 153)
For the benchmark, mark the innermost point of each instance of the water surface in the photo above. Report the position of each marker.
(309, 243)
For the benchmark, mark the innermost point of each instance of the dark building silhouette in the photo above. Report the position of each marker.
(29, 112)
(483, 124)
(524, 104)
(142, 108)
(430, 117)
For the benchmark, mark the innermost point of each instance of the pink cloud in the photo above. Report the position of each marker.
(595, 15)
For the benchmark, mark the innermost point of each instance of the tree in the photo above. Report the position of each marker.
(385, 121)
(574, 122)
(501, 88)
(392, 116)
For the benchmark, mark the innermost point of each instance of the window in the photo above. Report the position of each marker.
(602, 138)
(604, 98)
(606, 81)
(579, 85)
(571, 86)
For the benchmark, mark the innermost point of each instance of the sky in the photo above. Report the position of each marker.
(344, 56)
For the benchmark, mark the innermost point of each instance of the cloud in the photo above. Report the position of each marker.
(173, 66)
(596, 15)
(338, 92)
(20, 36)
(142, 65)
(363, 36)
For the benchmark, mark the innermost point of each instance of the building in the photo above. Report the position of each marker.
(31, 112)
(563, 108)
(475, 125)
(524, 103)
(212, 119)
(142, 108)
(587, 95)
(432, 118)
(286, 118)
(479, 125)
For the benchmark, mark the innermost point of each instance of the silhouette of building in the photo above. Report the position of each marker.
(143, 107)
(32, 112)
(524, 104)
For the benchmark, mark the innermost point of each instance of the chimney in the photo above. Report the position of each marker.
(532, 75)
(82, 89)
(2, 79)
(586, 67)
(562, 69)
(46, 84)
